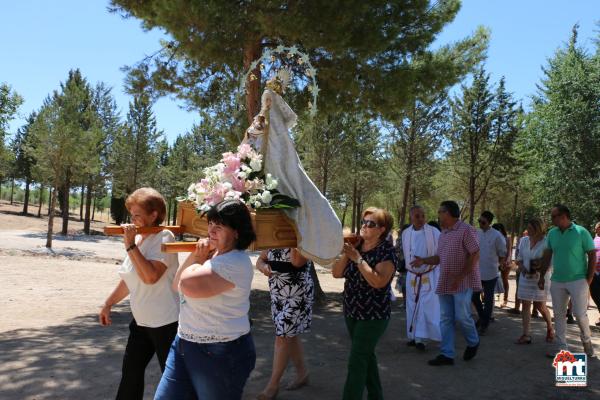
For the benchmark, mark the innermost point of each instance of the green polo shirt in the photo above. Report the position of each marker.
(569, 248)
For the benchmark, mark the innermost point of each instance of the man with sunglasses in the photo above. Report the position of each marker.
(492, 253)
(573, 254)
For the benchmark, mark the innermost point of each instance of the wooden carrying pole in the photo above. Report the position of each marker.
(112, 230)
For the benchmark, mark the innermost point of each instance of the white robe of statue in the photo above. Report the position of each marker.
(422, 314)
(320, 231)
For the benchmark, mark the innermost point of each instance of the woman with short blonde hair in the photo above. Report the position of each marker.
(368, 269)
(146, 276)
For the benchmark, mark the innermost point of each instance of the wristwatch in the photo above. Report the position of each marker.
(359, 261)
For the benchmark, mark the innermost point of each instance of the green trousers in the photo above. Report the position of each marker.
(362, 364)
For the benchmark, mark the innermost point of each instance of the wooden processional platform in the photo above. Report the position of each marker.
(272, 227)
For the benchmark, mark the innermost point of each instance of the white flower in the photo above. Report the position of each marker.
(242, 175)
(257, 204)
(266, 197)
(271, 183)
(232, 195)
(256, 164)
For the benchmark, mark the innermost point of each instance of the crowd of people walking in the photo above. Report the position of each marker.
(194, 316)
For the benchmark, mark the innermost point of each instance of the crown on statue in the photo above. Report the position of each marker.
(280, 81)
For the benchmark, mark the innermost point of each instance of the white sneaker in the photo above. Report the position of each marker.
(588, 348)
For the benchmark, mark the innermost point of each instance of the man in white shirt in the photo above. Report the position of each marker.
(422, 304)
(492, 252)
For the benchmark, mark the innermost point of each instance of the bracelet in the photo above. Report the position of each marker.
(133, 246)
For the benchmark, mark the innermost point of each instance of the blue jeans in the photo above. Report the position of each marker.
(207, 371)
(485, 310)
(456, 308)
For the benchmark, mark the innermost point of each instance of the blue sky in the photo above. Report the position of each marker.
(42, 40)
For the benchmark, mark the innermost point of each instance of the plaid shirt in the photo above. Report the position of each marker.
(454, 245)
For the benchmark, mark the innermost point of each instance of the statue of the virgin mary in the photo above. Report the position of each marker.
(318, 227)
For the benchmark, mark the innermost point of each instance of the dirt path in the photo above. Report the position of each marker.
(51, 346)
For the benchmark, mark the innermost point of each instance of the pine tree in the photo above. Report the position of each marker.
(365, 52)
(24, 160)
(563, 133)
(480, 136)
(415, 136)
(133, 158)
(10, 101)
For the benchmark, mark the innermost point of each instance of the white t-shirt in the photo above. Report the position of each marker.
(492, 245)
(157, 304)
(224, 317)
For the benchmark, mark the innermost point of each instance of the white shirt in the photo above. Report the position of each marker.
(152, 305)
(492, 245)
(526, 253)
(224, 317)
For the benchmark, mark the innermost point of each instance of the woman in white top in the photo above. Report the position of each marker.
(213, 352)
(146, 276)
(531, 249)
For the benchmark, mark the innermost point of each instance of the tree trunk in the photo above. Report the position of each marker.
(358, 210)
(520, 227)
(26, 198)
(88, 205)
(405, 193)
(319, 294)
(12, 190)
(94, 208)
(344, 212)
(175, 212)
(252, 51)
(51, 205)
(41, 197)
(513, 218)
(50, 199)
(81, 202)
(65, 211)
(354, 194)
(471, 199)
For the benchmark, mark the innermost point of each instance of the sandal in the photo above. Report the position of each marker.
(298, 384)
(550, 336)
(524, 339)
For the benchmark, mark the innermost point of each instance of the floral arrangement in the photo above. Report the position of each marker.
(239, 176)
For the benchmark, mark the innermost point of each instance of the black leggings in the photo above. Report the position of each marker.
(595, 290)
(142, 344)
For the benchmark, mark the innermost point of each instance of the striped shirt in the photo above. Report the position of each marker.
(454, 245)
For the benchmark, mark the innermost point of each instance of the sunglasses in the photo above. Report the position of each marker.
(482, 221)
(369, 223)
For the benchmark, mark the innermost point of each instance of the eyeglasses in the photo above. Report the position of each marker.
(368, 223)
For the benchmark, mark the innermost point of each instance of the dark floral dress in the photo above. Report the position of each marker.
(292, 293)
